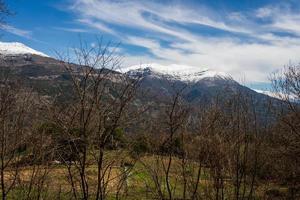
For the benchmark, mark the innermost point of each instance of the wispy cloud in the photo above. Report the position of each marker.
(97, 25)
(144, 14)
(73, 30)
(143, 42)
(16, 31)
(286, 21)
(251, 44)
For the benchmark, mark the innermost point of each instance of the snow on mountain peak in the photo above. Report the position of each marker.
(278, 95)
(16, 48)
(174, 71)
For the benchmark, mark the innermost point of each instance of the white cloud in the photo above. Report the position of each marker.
(281, 18)
(73, 30)
(254, 59)
(98, 25)
(16, 31)
(143, 42)
(133, 14)
(264, 12)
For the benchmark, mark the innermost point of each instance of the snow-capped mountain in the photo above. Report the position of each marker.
(16, 48)
(173, 72)
(269, 93)
(201, 85)
(277, 95)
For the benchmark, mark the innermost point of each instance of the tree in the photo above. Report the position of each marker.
(15, 106)
(286, 142)
(93, 118)
(4, 12)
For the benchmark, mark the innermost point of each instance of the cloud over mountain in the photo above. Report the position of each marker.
(249, 44)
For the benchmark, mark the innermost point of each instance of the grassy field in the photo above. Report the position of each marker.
(139, 181)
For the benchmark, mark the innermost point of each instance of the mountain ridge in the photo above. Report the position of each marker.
(185, 73)
(36, 65)
(17, 48)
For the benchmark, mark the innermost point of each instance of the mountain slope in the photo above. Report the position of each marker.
(173, 72)
(202, 86)
(16, 48)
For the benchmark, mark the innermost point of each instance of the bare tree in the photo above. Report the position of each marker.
(15, 106)
(167, 167)
(4, 12)
(286, 85)
(101, 99)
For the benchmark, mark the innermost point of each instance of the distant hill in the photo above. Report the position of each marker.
(201, 86)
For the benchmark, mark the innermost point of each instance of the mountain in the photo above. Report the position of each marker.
(35, 69)
(16, 48)
(184, 73)
(201, 86)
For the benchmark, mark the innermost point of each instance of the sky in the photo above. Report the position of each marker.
(248, 39)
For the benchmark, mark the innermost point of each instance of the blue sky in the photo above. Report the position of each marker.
(248, 39)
